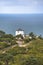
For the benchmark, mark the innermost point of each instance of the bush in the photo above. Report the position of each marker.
(3, 45)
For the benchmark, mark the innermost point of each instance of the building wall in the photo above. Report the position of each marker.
(19, 32)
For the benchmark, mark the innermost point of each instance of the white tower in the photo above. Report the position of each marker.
(19, 32)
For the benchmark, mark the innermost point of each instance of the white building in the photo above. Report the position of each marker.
(19, 32)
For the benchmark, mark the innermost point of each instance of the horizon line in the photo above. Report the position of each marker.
(21, 13)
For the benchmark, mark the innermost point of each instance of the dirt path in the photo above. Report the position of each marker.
(20, 45)
(24, 45)
(6, 49)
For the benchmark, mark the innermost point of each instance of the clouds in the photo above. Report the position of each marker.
(21, 6)
(21, 2)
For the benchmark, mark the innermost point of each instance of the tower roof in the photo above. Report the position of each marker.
(19, 29)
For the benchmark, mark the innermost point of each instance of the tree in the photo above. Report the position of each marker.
(32, 35)
(6, 58)
(19, 36)
(1, 63)
(40, 37)
(26, 40)
(8, 36)
(31, 61)
(2, 33)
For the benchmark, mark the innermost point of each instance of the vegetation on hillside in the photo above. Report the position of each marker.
(12, 54)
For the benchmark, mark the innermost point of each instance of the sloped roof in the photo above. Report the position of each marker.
(19, 29)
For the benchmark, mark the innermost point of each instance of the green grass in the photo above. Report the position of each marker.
(31, 55)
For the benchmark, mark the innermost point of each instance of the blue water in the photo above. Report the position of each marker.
(28, 22)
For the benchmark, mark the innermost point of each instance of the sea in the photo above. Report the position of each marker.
(9, 23)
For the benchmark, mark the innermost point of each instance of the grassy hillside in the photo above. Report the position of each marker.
(12, 54)
(30, 55)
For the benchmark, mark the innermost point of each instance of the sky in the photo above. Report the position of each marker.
(21, 6)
